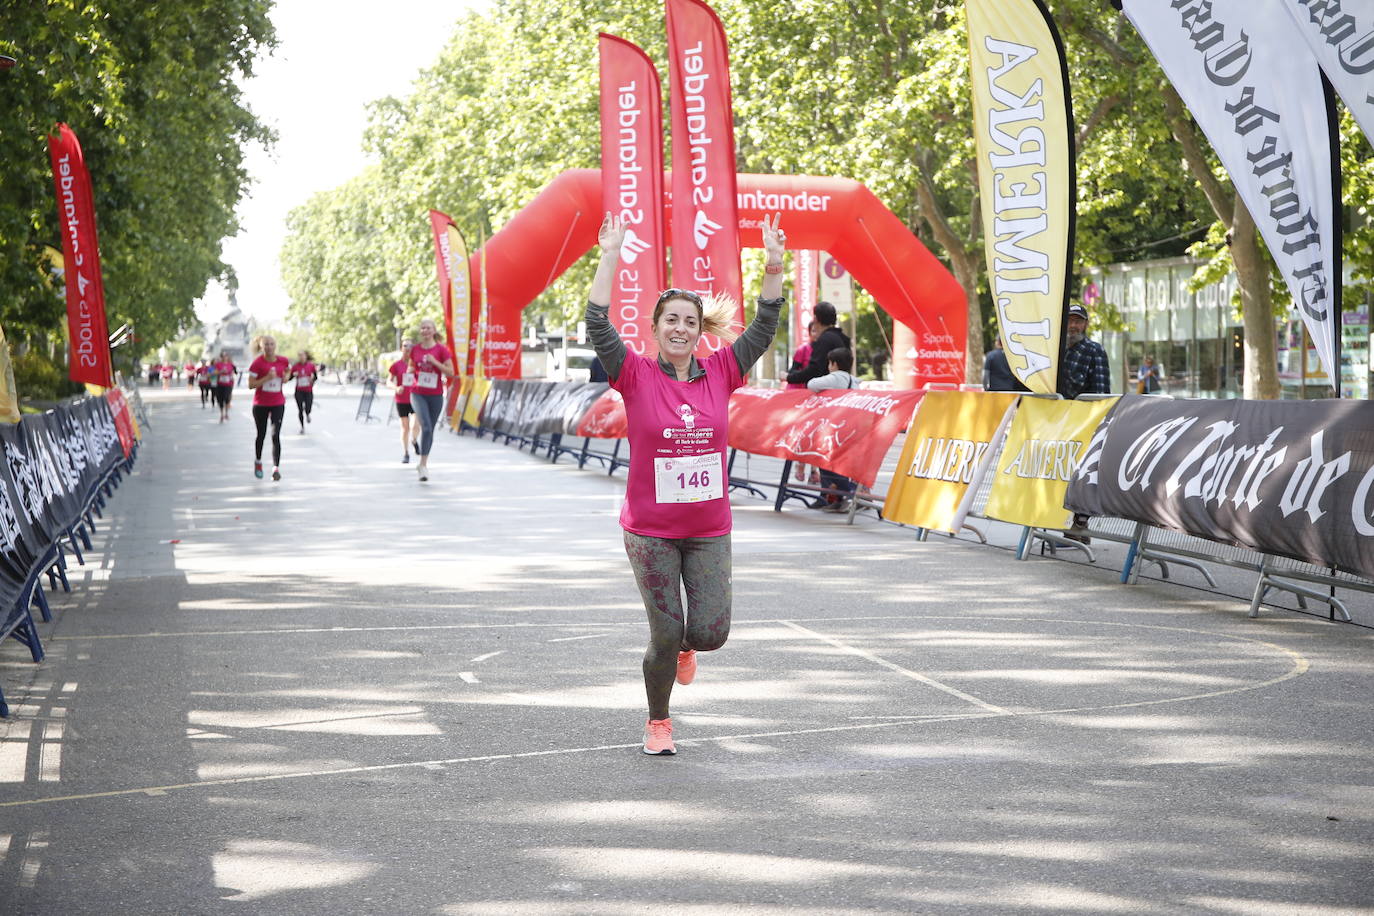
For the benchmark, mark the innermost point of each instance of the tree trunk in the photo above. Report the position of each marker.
(967, 275)
(964, 268)
(1257, 307)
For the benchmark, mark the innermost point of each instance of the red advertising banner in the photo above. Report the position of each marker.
(124, 426)
(90, 336)
(806, 279)
(605, 419)
(455, 288)
(632, 184)
(705, 218)
(845, 431)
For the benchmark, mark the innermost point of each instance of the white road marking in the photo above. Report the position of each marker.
(482, 658)
(571, 638)
(904, 672)
(469, 677)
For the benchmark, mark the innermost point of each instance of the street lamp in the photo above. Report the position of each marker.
(6, 61)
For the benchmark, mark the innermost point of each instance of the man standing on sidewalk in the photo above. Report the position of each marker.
(1084, 371)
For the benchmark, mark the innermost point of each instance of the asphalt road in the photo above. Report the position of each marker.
(350, 692)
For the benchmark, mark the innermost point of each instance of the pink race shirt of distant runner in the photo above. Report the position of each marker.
(404, 377)
(677, 486)
(224, 374)
(304, 374)
(269, 393)
(428, 378)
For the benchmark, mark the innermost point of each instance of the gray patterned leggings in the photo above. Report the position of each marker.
(664, 568)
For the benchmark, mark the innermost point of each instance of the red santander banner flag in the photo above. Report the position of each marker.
(632, 184)
(90, 336)
(705, 218)
(455, 287)
(848, 431)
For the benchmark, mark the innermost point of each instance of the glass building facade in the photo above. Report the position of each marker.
(1197, 340)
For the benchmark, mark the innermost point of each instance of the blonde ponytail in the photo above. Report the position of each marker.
(718, 317)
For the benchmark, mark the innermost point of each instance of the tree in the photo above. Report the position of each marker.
(152, 92)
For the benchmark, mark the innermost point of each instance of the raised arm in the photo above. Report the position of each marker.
(758, 337)
(607, 343)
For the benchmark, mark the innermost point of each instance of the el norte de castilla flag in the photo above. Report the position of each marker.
(1257, 94)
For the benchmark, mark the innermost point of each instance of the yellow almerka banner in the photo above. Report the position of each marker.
(1046, 442)
(460, 298)
(476, 390)
(1023, 127)
(9, 397)
(947, 452)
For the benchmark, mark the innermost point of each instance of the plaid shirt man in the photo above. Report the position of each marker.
(1084, 370)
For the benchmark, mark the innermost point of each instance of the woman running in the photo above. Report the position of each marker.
(203, 379)
(225, 374)
(304, 373)
(402, 379)
(676, 513)
(431, 362)
(265, 377)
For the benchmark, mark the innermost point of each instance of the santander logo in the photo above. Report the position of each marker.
(703, 228)
(632, 247)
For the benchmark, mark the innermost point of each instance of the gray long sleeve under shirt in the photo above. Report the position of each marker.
(752, 344)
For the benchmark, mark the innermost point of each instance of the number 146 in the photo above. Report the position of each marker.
(694, 480)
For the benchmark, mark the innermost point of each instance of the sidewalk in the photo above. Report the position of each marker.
(350, 692)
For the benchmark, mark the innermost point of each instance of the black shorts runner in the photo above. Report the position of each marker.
(404, 410)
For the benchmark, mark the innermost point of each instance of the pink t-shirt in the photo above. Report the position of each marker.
(428, 378)
(404, 375)
(203, 374)
(677, 486)
(224, 374)
(305, 376)
(269, 393)
(802, 356)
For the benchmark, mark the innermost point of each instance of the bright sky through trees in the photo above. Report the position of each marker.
(335, 57)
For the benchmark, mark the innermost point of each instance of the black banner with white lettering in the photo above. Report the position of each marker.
(1291, 478)
(50, 466)
(535, 408)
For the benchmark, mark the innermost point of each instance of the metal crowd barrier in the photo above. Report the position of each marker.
(52, 562)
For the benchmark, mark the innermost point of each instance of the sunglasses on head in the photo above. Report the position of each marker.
(675, 293)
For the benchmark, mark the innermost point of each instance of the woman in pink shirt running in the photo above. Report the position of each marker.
(431, 362)
(265, 377)
(402, 380)
(676, 513)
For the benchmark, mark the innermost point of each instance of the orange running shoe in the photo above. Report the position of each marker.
(658, 737)
(686, 666)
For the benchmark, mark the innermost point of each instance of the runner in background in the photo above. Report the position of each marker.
(431, 362)
(676, 513)
(402, 378)
(203, 373)
(225, 374)
(265, 377)
(189, 369)
(167, 373)
(304, 373)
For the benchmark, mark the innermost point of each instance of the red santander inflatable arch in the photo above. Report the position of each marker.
(836, 215)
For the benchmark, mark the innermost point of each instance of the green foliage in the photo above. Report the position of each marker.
(151, 91)
(38, 378)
